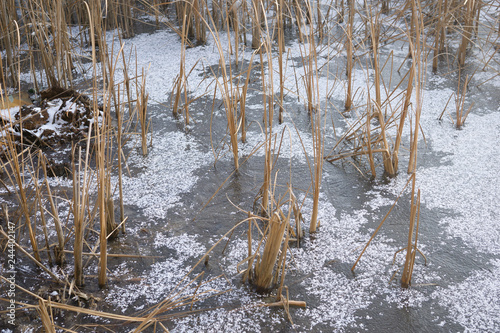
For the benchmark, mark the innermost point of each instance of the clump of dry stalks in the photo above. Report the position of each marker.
(266, 262)
(45, 30)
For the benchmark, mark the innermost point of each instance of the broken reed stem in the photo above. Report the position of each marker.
(281, 303)
(264, 271)
(27, 254)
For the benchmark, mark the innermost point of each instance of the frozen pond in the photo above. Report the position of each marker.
(184, 195)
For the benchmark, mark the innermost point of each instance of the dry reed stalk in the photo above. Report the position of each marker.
(180, 77)
(467, 31)
(264, 271)
(300, 304)
(268, 144)
(368, 139)
(340, 12)
(256, 22)
(27, 254)
(268, 117)
(38, 198)
(281, 47)
(384, 9)
(282, 265)
(311, 73)
(47, 321)
(308, 13)
(439, 31)
(417, 52)
(58, 249)
(200, 31)
(411, 249)
(16, 162)
(142, 109)
(111, 226)
(298, 18)
(40, 32)
(119, 125)
(320, 22)
(76, 309)
(229, 97)
(8, 14)
(249, 271)
(402, 117)
(95, 20)
(461, 116)
(349, 50)
(242, 101)
(216, 16)
(62, 46)
(374, 32)
(120, 15)
(297, 216)
(310, 65)
(381, 223)
(188, 6)
(156, 10)
(51, 39)
(318, 148)
(78, 219)
(235, 24)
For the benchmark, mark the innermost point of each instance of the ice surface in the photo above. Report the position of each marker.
(466, 182)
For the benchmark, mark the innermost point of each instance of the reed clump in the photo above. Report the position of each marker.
(266, 262)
